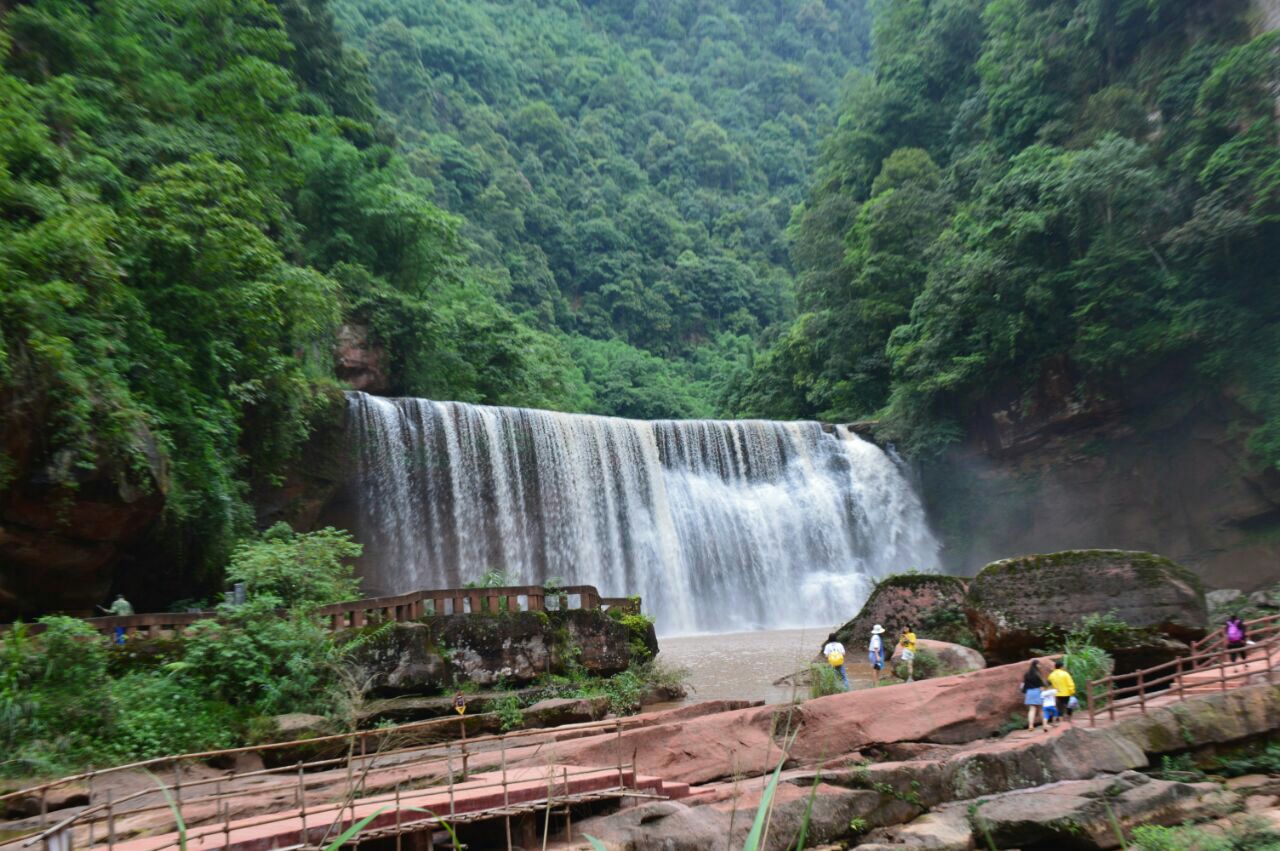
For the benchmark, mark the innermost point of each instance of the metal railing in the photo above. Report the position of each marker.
(355, 614)
(98, 820)
(1120, 692)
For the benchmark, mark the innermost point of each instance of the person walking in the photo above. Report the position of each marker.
(875, 652)
(907, 641)
(1065, 687)
(120, 608)
(1237, 637)
(834, 652)
(1032, 683)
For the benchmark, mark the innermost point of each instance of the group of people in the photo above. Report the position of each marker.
(1049, 701)
(833, 650)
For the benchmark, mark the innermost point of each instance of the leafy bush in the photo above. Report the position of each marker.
(253, 657)
(509, 714)
(1252, 835)
(927, 665)
(1263, 760)
(823, 680)
(156, 715)
(297, 568)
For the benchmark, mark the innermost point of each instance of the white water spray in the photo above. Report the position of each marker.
(718, 525)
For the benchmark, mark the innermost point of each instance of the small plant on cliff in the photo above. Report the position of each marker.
(297, 569)
(509, 715)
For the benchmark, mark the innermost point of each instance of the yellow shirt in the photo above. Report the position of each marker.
(909, 641)
(1061, 680)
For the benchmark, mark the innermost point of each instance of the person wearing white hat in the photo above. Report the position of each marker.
(875, 652)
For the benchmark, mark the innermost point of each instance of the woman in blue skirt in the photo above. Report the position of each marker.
(1031, 685)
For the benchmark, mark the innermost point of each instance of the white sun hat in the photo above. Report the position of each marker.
(877, 629)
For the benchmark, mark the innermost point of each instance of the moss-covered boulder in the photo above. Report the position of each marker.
(1025, 603)
(932, 603)
(440, 653)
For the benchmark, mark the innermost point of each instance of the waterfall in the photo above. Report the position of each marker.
(718, 525)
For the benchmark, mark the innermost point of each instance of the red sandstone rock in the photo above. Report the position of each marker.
(944, 710)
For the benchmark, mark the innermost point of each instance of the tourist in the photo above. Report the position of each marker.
(1048, 707)
(1236, 638)
(875, 652)
(834, 651)
(908, 644)
(121, 608)
(1031, 686)
(1062, 682)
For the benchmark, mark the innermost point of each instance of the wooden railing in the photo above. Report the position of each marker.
(1256, 630)
(360, 751)
(355, 614)
(1175, 678)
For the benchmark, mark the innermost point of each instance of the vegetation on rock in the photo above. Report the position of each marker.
(1018, 188)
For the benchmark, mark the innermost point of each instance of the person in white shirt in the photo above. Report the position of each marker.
(833, 651)
(875, 652)
(1049, 712)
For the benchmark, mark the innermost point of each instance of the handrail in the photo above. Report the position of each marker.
(355, 614)
(1218, 638)
(1176, 670)
(426, 752)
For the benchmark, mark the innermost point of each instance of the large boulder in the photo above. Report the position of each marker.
(517, 647)
(932, 603)
(1026, 603)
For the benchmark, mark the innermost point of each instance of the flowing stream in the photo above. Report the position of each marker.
(718, 525)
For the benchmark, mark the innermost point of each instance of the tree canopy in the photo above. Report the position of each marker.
(1013, 186)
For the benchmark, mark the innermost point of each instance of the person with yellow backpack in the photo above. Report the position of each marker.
(834, 652)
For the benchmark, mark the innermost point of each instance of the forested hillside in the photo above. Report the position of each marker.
(1088, 185)
(625, 170)
(552, 204)
(193, 194)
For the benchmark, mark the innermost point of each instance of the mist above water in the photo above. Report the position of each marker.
(718, 525)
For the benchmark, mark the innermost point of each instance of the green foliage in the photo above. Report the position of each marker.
(297, 569)
(509, 714)
(823, 680)
(252, 657)
(925, 666)
(1105, 630)
(1181, 768)
(1261, 760)
(1251, 835)
(625, 174)
(1066, 188)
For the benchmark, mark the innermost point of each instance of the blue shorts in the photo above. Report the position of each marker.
(875, 660)
(1050, 711)
(1033, 697)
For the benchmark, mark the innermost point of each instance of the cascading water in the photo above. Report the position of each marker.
(718, 525)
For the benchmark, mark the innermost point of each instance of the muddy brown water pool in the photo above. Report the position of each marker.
(746, 665)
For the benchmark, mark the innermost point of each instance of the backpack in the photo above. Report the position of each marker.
(1234, 632)
(836, 659)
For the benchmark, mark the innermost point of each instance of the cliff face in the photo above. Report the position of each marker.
(1159, 468)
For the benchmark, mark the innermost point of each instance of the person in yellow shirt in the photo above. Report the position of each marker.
(907, 641)
(1060, 679)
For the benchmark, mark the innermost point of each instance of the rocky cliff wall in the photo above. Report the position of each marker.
(1159, 468)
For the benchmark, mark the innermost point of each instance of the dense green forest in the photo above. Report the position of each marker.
(640, 208)
(625, 170)
(549, 204)
(1015, 186)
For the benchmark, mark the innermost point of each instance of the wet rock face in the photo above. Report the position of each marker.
(1019, 604)
(438, 653)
